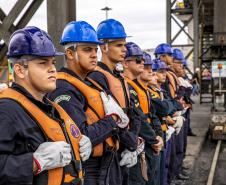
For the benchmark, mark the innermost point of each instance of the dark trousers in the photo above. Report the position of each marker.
(167, 161)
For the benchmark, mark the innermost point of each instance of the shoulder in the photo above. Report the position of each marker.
(65, 92)
(100, 78)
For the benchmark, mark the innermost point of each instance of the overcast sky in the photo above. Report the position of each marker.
(144, 20)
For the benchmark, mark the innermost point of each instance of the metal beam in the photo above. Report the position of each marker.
(182, 28)
(14, 13)
(29, 13)
(7, 27)
(58, 19)
(168, 21)
(3, 51)
(196, 33)
(2, 15)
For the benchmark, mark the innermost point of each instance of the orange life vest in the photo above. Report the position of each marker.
(118, 88)
(173, 83)
(143, 96)
(54, 132)
(155, 93)
(95, 109)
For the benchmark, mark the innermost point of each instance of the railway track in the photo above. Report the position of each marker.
(214, 164)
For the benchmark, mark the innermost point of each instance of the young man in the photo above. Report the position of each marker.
(164, 52)
(108, 75)
(98, 116)
(150, 132)
(165, 110)
(40, 144)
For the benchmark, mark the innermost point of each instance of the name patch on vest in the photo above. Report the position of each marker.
(74, 131)
(62, 98)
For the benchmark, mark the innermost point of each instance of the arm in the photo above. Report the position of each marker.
(16, 167)
(75, 106)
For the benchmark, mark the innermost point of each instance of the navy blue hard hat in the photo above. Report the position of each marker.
(178, 55)
(185, 63)
(158, 65)
(133, 49)
(111, 29)
(163, 49)
(147, 59)
(79, 31)
(31, 41)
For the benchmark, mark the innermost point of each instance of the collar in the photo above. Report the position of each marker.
(43, 106)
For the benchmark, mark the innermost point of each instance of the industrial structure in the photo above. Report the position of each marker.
(202, 21)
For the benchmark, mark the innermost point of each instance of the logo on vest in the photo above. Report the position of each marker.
(74, 131)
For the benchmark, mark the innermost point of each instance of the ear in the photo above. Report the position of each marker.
(19, 71)
(69, 54)
(103, 48)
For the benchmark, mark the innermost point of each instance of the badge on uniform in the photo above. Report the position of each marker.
(74, 131)
(62, 98)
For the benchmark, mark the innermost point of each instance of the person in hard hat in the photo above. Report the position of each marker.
(145, 77)
(165, 109)
(149, 131)
(97, 114)
(164, 52)
(40, 144)
(108, 75)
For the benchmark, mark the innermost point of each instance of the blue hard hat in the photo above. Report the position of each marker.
(147, 59)
(133, 49)
(178, 55)
(163, 49)
(31, 41)
(79, 31)
(185, 63)
(111, 29)
(158, 65)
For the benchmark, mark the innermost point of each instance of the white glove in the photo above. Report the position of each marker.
(3, 86)
(112, 107)
(140, 146)
(177, 113)
(169, 132)
(129, 158)
(85, 147)
(179, 123)
(50, 155)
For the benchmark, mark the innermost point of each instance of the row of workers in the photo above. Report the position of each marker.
(123, 120)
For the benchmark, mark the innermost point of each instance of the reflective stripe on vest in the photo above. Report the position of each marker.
(156, 94)
(143, 96)
(94, 111)
(116, 87)
(54, 132)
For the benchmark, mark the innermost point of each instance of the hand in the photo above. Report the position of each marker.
(111, 107)
(85, 147)
(158, 146)
(170, 120)
(179, 123)
(169, 132)
(129, 158)
(50, 155)
(140, 146)
(177, 113)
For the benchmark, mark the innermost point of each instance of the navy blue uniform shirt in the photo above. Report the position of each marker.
(20, 136)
